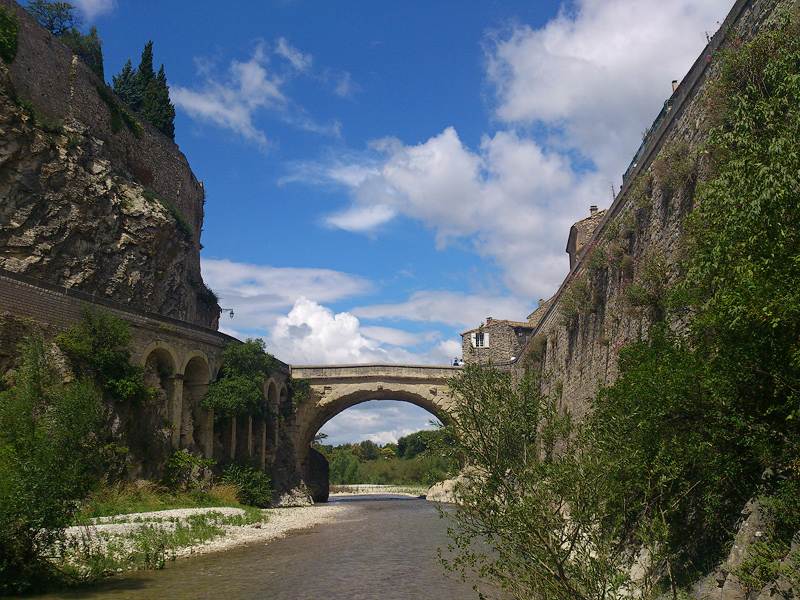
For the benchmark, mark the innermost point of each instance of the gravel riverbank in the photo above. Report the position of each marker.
(122, 534)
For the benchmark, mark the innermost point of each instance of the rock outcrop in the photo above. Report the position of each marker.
(82, 204)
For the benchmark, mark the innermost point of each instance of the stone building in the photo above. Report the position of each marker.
(501, 341)
(580, 234)
(498, 341)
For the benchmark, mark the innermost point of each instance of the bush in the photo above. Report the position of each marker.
(99, 346)
(49, 460)
(253, 484)
(9, 36)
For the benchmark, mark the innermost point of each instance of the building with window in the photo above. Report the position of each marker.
(497, 340)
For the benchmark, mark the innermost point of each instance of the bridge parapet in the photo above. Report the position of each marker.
(315, 373)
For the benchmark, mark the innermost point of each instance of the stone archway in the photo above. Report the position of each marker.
(197, 424)
(160, 362)
(337, 388)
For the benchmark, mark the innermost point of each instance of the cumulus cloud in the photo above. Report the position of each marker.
(313, 334)
(261, 294)
(512, 197)
(599, 71)
(451, 308)
(588, 83)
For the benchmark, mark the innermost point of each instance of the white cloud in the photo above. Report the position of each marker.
(599, 71)
(298, 59)
(313, 334)
(285, 306)
(592, 80)
(93, 8)
(238, 97)
(261, 294)
(452, 308)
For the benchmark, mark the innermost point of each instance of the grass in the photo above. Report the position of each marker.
(97, 552)
(148, 497)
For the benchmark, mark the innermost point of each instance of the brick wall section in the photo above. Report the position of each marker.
(581, 354)
(58, 308)
(45, 75)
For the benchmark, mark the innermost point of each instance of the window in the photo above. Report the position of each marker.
(480, 340)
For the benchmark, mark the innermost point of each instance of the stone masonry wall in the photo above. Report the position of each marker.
(595, 312)
(45, 75)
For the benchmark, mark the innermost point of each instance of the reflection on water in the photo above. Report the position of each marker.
(382, 547)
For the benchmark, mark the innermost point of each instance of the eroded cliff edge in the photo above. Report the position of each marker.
(92, 201)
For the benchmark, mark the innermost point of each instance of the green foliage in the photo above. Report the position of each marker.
(9, 36)
(185, 471)
(125, 86)
(253, 484)
(528, 518)
(698, 421)
(88, 47)
(98, 346)
(239, 389)
(147, 93)
(299, 389)
(181, 221)
(56, 17)
(577, 299)
(422, 442)
(119, 115)
(345, 468)
(49, 459)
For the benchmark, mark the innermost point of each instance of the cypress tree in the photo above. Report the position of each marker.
(147, 93)
(126, 86)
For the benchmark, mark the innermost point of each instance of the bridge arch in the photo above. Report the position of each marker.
(336, 388)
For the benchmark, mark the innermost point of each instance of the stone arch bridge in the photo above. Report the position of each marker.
(181, 359)
(335, 388)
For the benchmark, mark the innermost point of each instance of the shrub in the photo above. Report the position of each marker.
(253, 484)
(99, 346)
(238, 390)
(49, 459)
(9, 36)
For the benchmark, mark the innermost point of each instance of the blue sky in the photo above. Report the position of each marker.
(382, 176)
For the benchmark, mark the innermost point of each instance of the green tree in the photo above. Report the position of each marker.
(345, 468)
(370, 450)
(49, 459)
(88, 47)
(57, 17)
(238, 391)
(147, 92)
(98, 347)
(9, 36)
(126, 87)
(60, 20)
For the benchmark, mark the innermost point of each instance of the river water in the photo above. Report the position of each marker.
(381, 548)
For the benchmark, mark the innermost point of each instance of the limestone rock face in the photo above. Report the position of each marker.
(74, 216)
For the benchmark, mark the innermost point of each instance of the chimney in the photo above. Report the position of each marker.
(674, 85)
(488, 320)
(593, 209)
(541, 301)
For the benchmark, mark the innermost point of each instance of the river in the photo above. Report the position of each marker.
(380, 548)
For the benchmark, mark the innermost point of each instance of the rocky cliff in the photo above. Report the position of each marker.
(92, 198)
